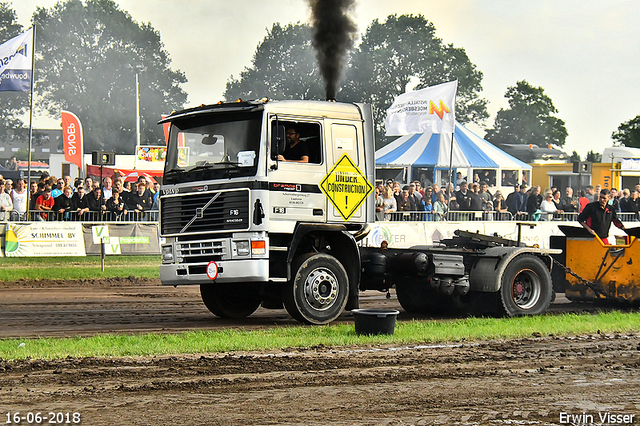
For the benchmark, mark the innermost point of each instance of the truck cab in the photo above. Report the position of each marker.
(252, 229)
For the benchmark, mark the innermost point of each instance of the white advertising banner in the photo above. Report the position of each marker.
(44, 239)
(16, 63)
(630, 164)
(430, 110)
(408, 234)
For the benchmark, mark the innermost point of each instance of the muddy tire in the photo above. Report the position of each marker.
(234, 300)
(526, 287)
(319, 289)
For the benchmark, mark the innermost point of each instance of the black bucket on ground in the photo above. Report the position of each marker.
(374, 321)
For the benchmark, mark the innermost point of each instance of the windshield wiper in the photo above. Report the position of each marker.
(229, 163)
(206, 165)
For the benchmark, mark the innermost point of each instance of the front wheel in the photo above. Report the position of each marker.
(319, 290)
(234, 300)
(526, 287)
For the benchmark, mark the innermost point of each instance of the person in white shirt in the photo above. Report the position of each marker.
(107, 189)
(547, 207)
(6, 205)
(19, 198)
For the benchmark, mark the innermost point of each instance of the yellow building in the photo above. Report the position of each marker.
(578, 175)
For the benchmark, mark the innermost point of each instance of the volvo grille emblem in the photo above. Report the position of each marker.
(200, 211)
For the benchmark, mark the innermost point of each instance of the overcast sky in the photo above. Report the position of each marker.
(585, 54)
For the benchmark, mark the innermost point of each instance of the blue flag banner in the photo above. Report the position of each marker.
(16, 63)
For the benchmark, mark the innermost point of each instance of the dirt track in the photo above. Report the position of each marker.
(529, 381)
(70, 308)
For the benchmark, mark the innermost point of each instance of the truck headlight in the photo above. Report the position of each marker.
(242, 248)
(167, 253)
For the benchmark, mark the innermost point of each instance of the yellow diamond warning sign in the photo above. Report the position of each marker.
(346, 187)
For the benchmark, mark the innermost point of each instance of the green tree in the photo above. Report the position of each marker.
(593, 157)
(404, 51)
(528, 120)
(87, 57)
(628, 133)
(12, 104)
(283, 67)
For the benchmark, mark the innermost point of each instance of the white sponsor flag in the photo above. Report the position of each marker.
(423, 111)
(15, 63)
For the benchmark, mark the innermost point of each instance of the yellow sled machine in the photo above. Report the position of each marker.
(598, 271)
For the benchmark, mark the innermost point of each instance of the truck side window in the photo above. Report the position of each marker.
(308, 137)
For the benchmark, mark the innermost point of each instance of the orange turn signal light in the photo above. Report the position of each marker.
(258, 247)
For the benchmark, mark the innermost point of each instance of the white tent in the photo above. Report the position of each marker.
(470, 152)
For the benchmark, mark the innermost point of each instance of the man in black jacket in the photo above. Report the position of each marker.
(79, 201)
(63, 204)
(463, 197)
(96, 203)
(140, 201)
(568, 202)
(631, 204)
(598, 216)
(533, 203)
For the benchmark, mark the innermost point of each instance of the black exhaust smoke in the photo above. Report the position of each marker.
(333, 34)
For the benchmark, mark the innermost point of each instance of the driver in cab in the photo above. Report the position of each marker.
(296, 150)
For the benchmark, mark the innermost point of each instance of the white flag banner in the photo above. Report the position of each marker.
(15, 63)
(427, 110)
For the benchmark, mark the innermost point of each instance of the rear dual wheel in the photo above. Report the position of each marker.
(526, 287)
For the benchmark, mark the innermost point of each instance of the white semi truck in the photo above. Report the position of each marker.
(253, 230)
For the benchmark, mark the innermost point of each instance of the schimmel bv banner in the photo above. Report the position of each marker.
(44, 239)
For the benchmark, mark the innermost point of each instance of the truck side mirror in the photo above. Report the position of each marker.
(277, 142)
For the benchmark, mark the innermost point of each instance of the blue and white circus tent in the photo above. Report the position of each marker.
(433, 151)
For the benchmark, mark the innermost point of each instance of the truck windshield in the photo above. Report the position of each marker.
(213, 146)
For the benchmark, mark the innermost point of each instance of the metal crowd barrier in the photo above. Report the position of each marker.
(467, 216)
(90, 216)
(628, 217)
(413, 216)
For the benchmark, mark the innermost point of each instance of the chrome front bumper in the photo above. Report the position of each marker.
(245, 270)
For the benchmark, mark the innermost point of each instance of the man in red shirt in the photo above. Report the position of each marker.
(44, 202)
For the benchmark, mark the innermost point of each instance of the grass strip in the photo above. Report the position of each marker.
(68, 268)
(412, 332)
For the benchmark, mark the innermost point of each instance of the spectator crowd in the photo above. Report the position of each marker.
(60, 199)
(52, 198)
(463, 201)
